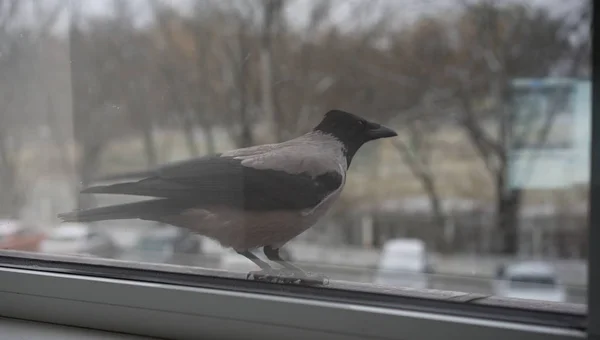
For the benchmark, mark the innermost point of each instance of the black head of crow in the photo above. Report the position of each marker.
(259, 196)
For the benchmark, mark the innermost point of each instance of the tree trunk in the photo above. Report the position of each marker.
(246, 137)
(271, 9)
(145, 125)
(434, 199)
(188, 135)
(508, 202)
(421, 169)
(12, 198)
(209, 139)
(266, 94)
(437, 210)
(149, 145)
(87, 170)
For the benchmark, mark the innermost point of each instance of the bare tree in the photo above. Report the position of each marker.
(17, 49)
(577, 27)
(496, 48)
(201, 28)
(134, 53)
(297, 73)
(237, 77)
(174, 70)
(272, 10)
(99, 100)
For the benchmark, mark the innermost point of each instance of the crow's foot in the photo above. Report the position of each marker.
(287, 276)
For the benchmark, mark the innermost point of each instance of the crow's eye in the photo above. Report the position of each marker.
(362, 123)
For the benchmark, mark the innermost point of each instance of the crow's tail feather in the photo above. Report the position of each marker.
(126, 175)
(130, 188)
(150, 209)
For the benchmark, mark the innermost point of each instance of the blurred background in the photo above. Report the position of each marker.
(484, 190)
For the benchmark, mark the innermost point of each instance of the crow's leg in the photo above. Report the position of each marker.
(262, 264)
(303, 277)
(273, 255)
(267, 273)
(291, 274)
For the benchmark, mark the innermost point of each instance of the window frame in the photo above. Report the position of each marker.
(176, 303)
(594, 194)
(56, 289)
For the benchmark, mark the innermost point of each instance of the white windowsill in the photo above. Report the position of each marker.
(30, 330)
(192, 312)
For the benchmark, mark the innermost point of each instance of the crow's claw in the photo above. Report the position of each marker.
(285, 276)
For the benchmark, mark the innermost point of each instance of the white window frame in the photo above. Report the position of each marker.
(593, 304)
(184, 303)
(181, 302)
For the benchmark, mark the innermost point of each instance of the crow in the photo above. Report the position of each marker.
(258, 196)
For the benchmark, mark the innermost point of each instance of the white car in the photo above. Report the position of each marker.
(533, 280)
(403, 263)
(81, 239)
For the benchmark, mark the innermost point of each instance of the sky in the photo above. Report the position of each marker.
(297, 12)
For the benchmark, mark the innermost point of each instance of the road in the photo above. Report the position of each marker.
(459, 283)
(464, 273)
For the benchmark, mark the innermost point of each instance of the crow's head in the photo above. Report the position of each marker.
(353, 131)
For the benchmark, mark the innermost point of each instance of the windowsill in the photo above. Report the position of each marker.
(63, 261)
(76, 286)
(23, 329)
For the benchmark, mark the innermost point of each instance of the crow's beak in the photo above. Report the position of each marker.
(377, 131)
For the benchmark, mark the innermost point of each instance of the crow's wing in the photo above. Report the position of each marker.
(216, 180)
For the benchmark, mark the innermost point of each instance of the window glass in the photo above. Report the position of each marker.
(488, 168)
(543, 118)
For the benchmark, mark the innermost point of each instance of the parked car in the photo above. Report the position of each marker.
(78, 238)
(534, 280)
(18, 235)
(403, 263)
(166, 244)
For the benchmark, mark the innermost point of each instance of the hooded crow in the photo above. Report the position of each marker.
(259, 196)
